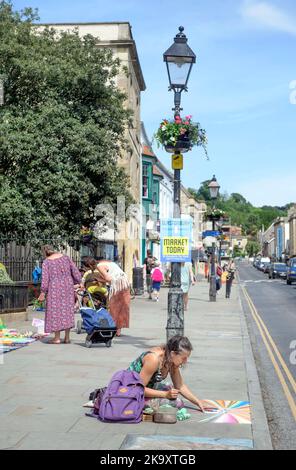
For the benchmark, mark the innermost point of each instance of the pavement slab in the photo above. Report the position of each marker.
(43, 387)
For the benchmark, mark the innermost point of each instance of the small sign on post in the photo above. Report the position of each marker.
(177, 161)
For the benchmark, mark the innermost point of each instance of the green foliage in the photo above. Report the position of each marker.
(61, 128)
(253, 247)
(240, 211)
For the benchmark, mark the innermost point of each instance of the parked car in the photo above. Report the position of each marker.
(291, 271)
(266, 267)
(256, 263)
(262, 265)
(277, 270)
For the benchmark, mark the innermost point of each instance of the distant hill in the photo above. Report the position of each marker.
(240, 211)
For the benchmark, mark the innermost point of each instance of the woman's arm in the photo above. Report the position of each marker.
(75, 273)
(104, 272)
(45, 277)
(183, 389)
(150, 366)
(44, 281)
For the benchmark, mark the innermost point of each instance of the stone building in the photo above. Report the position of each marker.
(292, 229)
(267, 241)
(194, 210)
(151, 180)
(118, 37)
(281, 238)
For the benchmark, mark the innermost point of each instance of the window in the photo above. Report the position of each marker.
(145, 181)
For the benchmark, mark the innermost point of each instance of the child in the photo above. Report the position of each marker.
(157, 278)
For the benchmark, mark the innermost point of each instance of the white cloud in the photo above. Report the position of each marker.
(269, 16)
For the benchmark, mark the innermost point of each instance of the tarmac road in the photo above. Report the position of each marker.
(270, 308)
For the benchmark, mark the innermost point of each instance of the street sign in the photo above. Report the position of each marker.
(175, 240)
(211, 233)
(177, 162)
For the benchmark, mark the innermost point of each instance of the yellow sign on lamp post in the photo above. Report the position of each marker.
(177, 161)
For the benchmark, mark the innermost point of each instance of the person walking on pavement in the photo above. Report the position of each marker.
(149, 263)
(159, 362)
(187, 279)
(219, 273)
(229, 278)
(157, 278)
(60, 276)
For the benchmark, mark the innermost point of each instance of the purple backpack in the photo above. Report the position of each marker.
(123, 400)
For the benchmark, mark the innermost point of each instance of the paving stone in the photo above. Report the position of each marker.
(10, 439)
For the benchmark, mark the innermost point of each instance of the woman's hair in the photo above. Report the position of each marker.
(89, 262)
(177, 344)
(48, 250)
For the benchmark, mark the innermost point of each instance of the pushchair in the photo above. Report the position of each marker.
(96, 321)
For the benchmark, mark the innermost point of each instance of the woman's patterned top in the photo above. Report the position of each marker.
(137, 366)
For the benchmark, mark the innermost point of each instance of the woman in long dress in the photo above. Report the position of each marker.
(59, 276)
(119, 293)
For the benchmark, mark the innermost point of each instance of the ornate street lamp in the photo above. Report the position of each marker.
(214, 188)
(214, 191)
(179, 59)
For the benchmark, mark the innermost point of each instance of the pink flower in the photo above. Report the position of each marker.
(187, 123)
(189, 117)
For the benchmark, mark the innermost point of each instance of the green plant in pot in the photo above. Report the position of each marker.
(180, 135)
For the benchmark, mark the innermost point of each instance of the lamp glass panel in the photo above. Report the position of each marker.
(179, 72)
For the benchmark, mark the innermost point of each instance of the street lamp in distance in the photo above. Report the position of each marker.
(179, 59)
(214, 188)
(214, 191)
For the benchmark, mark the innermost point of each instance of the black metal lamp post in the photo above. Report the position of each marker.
(214, 190)
(179, 59)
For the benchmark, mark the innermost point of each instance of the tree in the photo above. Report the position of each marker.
(61, 128)
(203, 193)
(253, 247)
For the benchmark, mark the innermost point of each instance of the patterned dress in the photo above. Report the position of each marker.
(58, 278)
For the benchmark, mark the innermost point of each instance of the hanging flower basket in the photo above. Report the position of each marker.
(180, 135)
(214, 214)
(86, 235)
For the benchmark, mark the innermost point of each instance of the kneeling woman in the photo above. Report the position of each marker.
(155, 365)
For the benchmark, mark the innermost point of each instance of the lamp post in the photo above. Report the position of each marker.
(214, 190)
(179, 59)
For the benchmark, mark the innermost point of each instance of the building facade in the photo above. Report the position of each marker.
(292, 230)
(118, 37)
(281, 238)
(151, 181)
(267, 241)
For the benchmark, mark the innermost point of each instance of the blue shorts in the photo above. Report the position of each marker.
(156, 285)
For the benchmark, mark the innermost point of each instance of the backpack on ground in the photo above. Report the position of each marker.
(123, 400)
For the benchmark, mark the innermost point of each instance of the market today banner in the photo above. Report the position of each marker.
(175, 240)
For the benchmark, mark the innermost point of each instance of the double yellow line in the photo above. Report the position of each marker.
(274, 355)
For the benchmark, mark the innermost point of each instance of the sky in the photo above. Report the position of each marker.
(242, 89)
